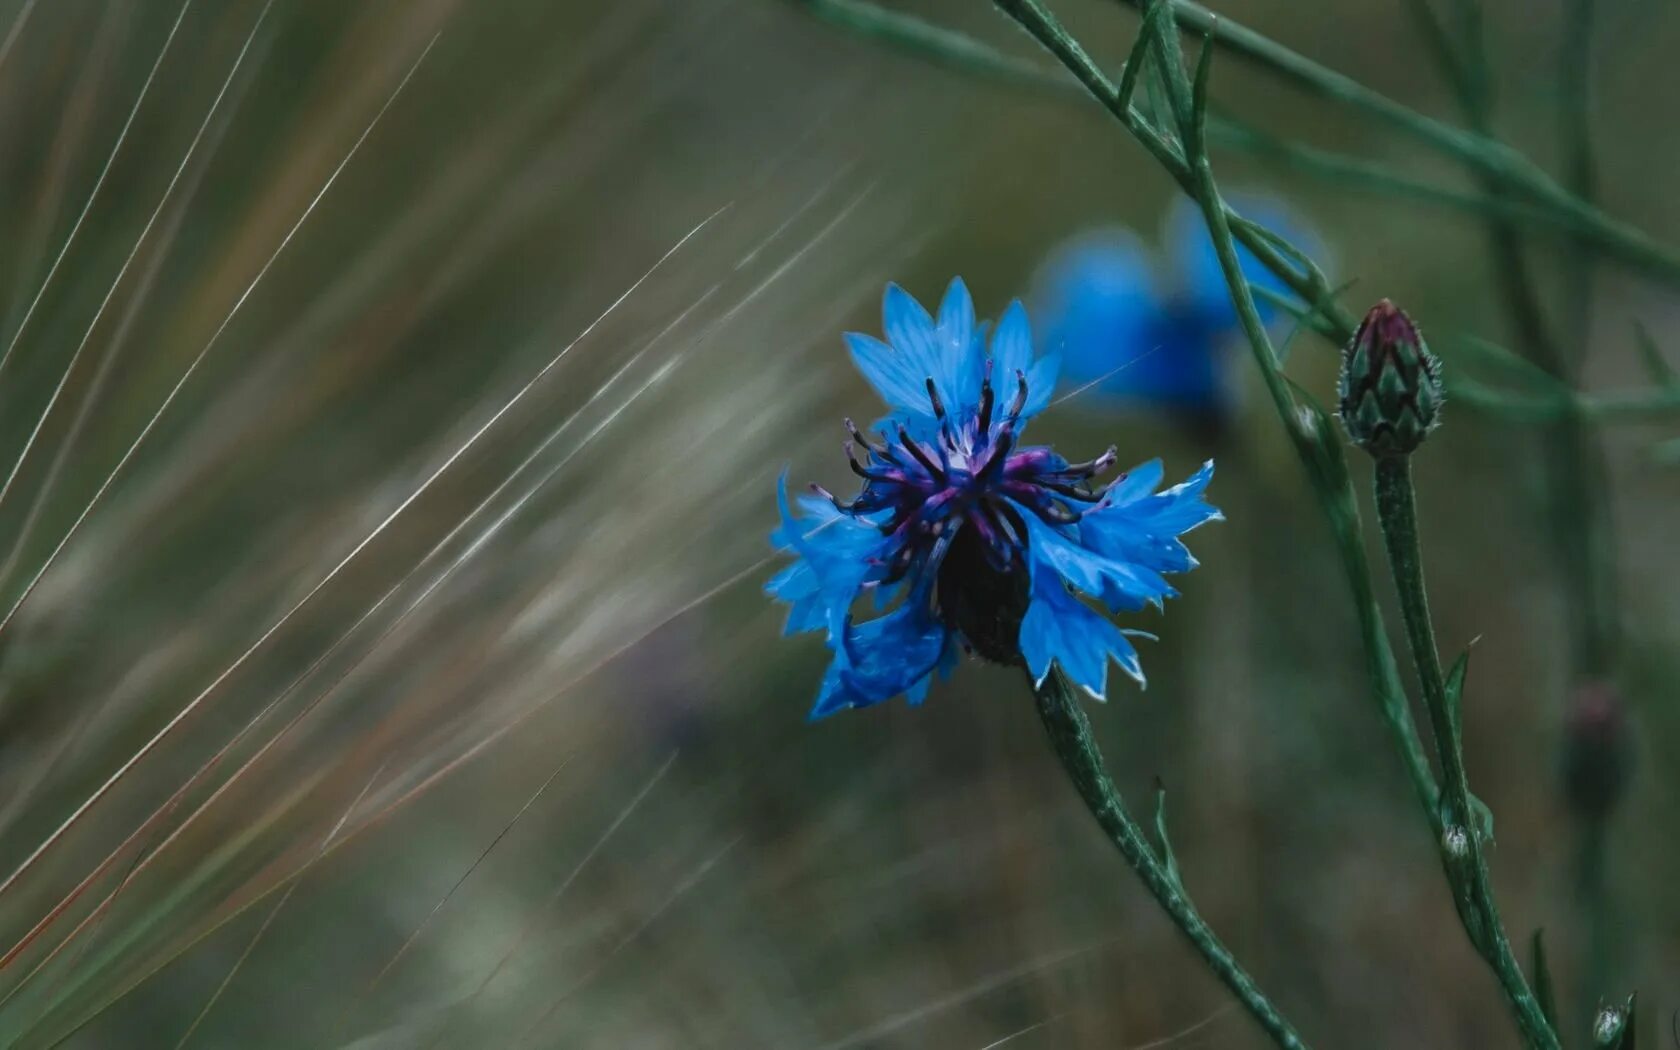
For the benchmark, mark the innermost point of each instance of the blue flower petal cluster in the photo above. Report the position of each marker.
(1155, 332)
(961, 537)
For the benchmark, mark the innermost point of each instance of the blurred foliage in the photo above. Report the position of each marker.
(394, 596)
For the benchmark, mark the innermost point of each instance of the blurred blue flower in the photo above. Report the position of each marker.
(1154, 333)
(967, 538)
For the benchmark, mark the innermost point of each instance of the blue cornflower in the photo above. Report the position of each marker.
(966, 538)
(1197, 260)
(1149, 331)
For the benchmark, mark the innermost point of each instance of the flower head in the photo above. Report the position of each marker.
(1115, 326)
(1155, 329)
(1196, 259)
(1390, 388)
(969, 539)
(1597, 749)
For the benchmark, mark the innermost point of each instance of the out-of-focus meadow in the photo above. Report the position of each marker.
(427, 369)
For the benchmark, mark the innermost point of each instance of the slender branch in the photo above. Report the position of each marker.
(1076, 748)
(1576, 487)
(1548, 203)
(1319, 449)
(1580, 170)
(1382, 673)
(1657, 404)
(1470, 881)
(1461, 845)
(1592, 902)
(1380, 177)
(938, 44)
(1598, 595)
(1479, 152)
(959, 51)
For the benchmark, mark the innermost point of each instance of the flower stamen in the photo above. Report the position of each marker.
(920, 454)
(987, 397)
(863, 472)
(858, 436)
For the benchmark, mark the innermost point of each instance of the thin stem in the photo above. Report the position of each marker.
(1592, 541)
(960, 51)
(1547, 201)
(1592, 901)
(1481, 153)
(1576, 486)
(1461, 846)
(967, 54)
(1076, 747)
(1580, 169)
(1320, 452)
(1381, 671)
(1655, 404)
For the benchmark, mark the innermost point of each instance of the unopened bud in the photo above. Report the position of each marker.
(1597, 749)
(1456, 841)
(1390, 388)
(1609, 1026)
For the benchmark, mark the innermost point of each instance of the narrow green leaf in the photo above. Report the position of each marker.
(1656, 366)
(1455, 694)
(1299, 259)
(1286, 302)
(1441, 44)
(1519, 407)
(1199, 96)
(1666, 453)
(1617, 1027)
(1482, 817)
(940, 45)
(1160, 106)
(1138, 60)
(1163, 845)
(1289, 337)
(1304, 316)
(1512, 363)
(1543, 978)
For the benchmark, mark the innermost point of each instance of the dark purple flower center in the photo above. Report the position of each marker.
(956, 497)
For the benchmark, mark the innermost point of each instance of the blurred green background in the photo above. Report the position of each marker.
(443, 545)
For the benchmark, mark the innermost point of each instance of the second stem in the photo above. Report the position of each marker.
(1075, 745)
(1461, 845)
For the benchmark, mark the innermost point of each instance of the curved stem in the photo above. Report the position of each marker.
(1543, 198)
(1461, 846)
(1320, 454)
(1076, 747)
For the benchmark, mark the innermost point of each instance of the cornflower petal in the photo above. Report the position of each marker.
(881, 658)
(965, 538)
(839, 555)
(1060, 628)
(894, 375)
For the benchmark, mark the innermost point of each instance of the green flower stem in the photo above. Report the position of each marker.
(1655, 404)
(1548, 202)
(1076, 747)
(1336, 491)
(1320, 451)
(1580, 170)
(1592, 902)
(1382, 673)
(1461, 846)
(1576, 476)
(960, 51)
(1480, 152)
(1380, 177)
(938, 44)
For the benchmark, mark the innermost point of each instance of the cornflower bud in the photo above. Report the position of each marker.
(1390, 388)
